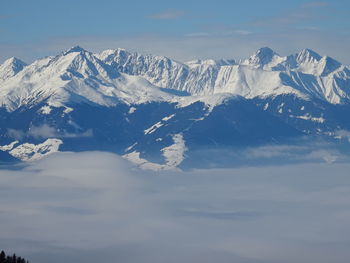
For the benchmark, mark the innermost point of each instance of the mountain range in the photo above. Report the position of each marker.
(160, 113)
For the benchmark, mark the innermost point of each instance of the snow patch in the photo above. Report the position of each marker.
(153, 128)
(135, 158)
(32, 152)
(168, 118)
(68, 110)
(130, 147)
(8, 147)
(174, 155)
(132, 110)
(45, 110)
(310, 118)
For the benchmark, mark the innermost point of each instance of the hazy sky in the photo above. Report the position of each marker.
(91, 207)
(183, 29)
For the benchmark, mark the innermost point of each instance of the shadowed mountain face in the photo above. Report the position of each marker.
(160, 113)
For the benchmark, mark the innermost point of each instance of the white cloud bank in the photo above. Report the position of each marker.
(92, 207)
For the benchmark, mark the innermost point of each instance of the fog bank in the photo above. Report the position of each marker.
(93, 206)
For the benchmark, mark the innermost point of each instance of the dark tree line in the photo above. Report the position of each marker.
(11, 259)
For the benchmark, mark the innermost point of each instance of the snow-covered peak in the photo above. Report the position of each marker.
(129, 61)
(81, 63)
(11, 67)
(14, 61)
(307, 56)
(262, 57)
(74, 49)
(110, 55)
(159, 70)
(310, 62)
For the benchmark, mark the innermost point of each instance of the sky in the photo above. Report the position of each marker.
(93, 207)
(182, 29)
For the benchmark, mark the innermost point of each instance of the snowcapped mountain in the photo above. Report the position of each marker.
(158, 112)
(11, 67)
(75, 76)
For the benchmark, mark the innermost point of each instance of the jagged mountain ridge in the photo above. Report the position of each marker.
(78, 75)
(157, 112)
(265, 73)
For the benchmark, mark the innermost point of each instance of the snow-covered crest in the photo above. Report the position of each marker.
(119, 76)
(265, 73)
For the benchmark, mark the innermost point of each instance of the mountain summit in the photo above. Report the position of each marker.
(307, 55)
(11, 67)
(262, 57)
(74, 49)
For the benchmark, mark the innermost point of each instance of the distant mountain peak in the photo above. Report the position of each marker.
(262, 56)
(111, 54)
(307, 55)
(13, 61)
(11, 67)
(265, 50)
(74, 49)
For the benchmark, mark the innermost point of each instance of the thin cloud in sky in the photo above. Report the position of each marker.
(169, 14)
(219, 33)
(316, 4)
(243, 32)
(306, 12)
(194, 46)
(198, 34)
(4, 16)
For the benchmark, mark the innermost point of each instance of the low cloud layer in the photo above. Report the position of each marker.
(168, 14)
(45, 131)
(94, 207)
(296, 152)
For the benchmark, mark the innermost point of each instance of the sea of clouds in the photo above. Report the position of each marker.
(95, 207)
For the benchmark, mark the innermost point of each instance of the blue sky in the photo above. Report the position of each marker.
(180, 29)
